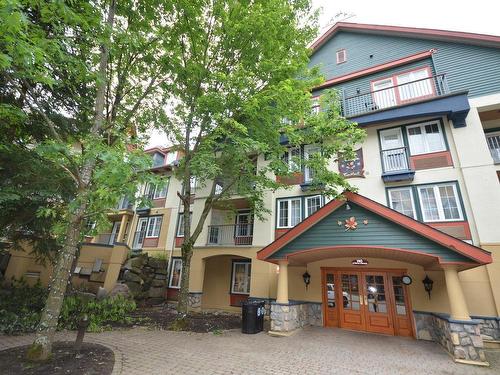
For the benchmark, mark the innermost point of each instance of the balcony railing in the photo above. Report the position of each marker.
(395, 159)
(494, 146)
(394, 96)
(230, 235)
(105, 238)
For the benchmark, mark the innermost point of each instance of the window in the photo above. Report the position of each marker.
(310, 150)
(440, 202)
(289, 212)
(341, 56)
(401, 200)
(171, 157)
(158, 159)
(291, 157)
(175, 273)
(156, 192)
(154, 225)
(414, 84)
(426, 138)
(315, 108)
(192, 183)
(312, 204)
(180, 224)
(240, 283)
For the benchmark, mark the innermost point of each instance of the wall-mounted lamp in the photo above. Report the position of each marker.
(347, 207)
(307, 278)
(428, 285)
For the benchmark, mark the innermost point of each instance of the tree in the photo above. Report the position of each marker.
(240, 81)
(78, 81)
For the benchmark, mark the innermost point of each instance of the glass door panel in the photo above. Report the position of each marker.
(332, 308)
(375, 293)
(350, 292)
(377, 314)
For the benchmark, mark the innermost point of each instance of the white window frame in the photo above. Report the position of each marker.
(180, 224)
(162, 155)
(161, 191)
(338, 54)
(306, 204)
(248, 274)
(289, 213)
(192, 183)
(172, 267)
(439, 203)
(307, 152)
(424, 135)
(171, 157)
(315, 105)
(292, 159)
(154, 223)
(407, 188)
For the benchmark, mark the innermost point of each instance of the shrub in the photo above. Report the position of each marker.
(21, 306)
(100, 312)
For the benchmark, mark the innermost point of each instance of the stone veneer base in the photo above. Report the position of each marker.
(294, 315)
(461, 339)
(194, 300)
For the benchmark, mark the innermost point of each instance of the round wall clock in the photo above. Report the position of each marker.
(406, 280)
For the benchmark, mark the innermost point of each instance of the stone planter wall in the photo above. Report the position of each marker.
(294, 315)
(146, 278)
(462, 339)
(194, 300)
(490, 327)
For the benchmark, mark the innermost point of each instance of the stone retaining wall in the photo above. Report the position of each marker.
(294, 315)
(462, 339)
(489, 326)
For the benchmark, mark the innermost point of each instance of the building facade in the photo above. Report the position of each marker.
(415, 252)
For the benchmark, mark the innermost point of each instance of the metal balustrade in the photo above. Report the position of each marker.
(394, 96)
(493, 141)
(230, 235)
(395, 159)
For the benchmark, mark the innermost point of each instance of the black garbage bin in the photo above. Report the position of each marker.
(252, 317)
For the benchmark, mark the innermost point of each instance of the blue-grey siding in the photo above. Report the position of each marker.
(467, 67)
(378, 232)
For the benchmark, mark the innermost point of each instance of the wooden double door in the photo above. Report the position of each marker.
(368, 300)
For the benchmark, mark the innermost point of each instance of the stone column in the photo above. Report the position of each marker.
(458, 306)
(121, 232)
(282, 294)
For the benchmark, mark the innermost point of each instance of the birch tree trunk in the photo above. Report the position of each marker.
(41, 349)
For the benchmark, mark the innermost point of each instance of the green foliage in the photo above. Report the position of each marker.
(100, 312)
(21, 306)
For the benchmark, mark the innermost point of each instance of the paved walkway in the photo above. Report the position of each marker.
(310, 351)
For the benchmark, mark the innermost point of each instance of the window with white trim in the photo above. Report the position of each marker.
(171, 157)
(192, 183)
(154, 226)
(158, 159)
(315, 108)
(175, 273)
(240, 283)
(180, 225)
(440, 202)
(289, 212)
(291, 157)
(312, 204)
(426, 137)
(401, 200)
(310, 150)
(414, 84)
(341, 56)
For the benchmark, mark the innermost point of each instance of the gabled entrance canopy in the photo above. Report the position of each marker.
(357, 226)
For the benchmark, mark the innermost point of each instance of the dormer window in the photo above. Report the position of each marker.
(341, 56)
(158, 159)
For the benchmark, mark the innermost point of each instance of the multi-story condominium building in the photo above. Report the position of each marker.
(415, 252)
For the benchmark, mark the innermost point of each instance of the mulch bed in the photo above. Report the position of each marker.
(162, 317)
(92, 359)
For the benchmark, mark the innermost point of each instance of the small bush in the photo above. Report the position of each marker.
(21, 306)
(100, 313)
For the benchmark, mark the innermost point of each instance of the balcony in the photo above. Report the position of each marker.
(395, 165)
(105, 238)
(493, 140)
(230, 235)
(423, 97)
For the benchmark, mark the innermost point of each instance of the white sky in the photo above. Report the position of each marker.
(477, 16)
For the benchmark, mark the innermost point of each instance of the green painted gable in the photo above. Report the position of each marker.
(467, 67)
(378, 232)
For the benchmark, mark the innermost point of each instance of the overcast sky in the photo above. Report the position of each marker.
(477, 16)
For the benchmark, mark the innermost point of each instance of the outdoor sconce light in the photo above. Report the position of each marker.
(347, 207)
(307, 278)
(428, 285)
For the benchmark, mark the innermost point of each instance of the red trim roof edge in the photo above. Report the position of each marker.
(477, 254)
